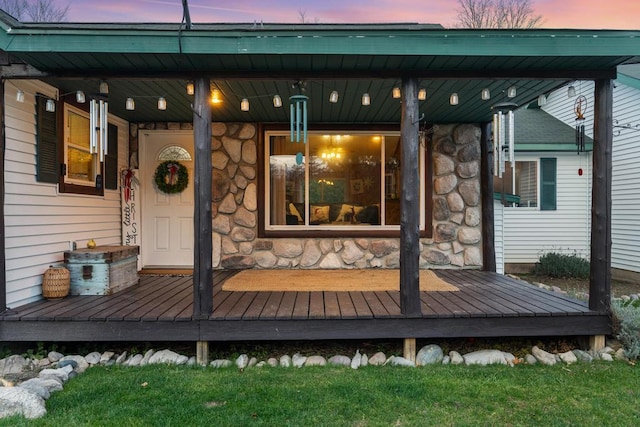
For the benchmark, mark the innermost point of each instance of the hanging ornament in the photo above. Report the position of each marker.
(503, 137)
(298, 114)
(580, 108)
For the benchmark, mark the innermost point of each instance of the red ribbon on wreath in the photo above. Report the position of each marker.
(173, 173)
(127, 178)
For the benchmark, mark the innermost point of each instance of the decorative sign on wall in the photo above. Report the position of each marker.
(130, 220)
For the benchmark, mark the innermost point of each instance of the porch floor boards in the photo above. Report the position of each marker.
(160, 307)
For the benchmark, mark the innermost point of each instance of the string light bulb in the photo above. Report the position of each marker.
(80, 99)
(396, 93)
(50, 106)
(277, 101)
(130, 104)
(366, 99)
(485, 94)
(511, 92)
(244, 104)
(216, 97)
(20, 95)
(162, 103)
(190, 88)
(333, 96)
(422, 94)
(453, 99)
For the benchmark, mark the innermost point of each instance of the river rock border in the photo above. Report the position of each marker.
(28, 382)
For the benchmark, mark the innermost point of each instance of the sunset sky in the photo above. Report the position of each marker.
(586, 14)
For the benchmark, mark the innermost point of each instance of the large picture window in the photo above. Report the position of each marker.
(336, 181)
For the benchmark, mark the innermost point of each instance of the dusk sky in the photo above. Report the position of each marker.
(586, 14)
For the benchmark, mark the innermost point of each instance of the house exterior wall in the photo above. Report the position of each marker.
(456, 241)
(40, 223)
(498, 235)
(530, 232)
(625, 186)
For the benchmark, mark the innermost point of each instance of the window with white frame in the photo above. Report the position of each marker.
(336, 181)
(82, 166)
(530, 184)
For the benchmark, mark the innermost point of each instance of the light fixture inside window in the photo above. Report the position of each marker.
(333, 96)
(80, 99)
(20, 96)
(162, 103)
(511, 92)
(216, 97)
(190, 88)
(453, 99)
(277, 101)
(571, 91)
(104, 88)
(244, 104)
(542, 100)
(485, 94)
(396, 93)
(366, 99)
(50, 106)
(422, 94)
(130, 104)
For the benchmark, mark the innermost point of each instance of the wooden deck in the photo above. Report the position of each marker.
(160, 308)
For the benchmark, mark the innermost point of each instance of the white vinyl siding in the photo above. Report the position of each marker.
(40, 223)
(498, 235)
(530, 232)
(625, 186)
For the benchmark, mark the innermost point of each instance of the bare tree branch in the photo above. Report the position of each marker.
(497, 14)
(35, 10)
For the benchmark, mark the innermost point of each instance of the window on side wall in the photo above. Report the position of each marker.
(531, 184)
(346, 180)
(63, 154)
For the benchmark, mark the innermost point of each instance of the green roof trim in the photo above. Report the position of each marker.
(628, 81)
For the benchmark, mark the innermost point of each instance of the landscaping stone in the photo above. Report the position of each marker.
(93, 358)
(121, 358)
(285, 361)
(456, 358)
(136, 360)
(81, 362)
(446, 360)
(606, 357)
(400, 361)
(356, 361)
(242, 361)
(147, 356)
(20, 401)
(378, 359)
(272, 361)
(543, 357)
(106, 356)
(583, 356)
(221, 363)
(54, 356)
(364, 360)
(35, 386)
(429, 355)
(168, 356)
(530, 359)
(298, 360)
(315, 361)
(488, 357)
(340, 360)
(14, 365)
(569, 357)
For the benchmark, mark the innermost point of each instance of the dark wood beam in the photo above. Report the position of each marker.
(410, 201)
(600, 277)
(203, 248)
(3, 257)
(486, 183)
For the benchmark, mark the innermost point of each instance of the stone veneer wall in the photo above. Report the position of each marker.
(456, 241)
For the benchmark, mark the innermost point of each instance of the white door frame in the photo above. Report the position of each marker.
(143, 175)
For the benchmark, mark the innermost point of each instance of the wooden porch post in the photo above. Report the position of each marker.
(600, 275)
(410, 201)
(486, 179)
(3, 265)
(203, 248)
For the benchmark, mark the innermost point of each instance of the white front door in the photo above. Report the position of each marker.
(167, 219)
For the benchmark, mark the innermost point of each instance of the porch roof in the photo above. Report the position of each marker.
(256, 61)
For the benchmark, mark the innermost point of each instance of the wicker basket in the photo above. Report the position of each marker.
(55, 283)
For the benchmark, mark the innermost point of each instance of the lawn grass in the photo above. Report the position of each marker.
(596, 394)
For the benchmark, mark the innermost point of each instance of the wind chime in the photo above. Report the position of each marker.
(298, 110)
(503, 137)
(98, 137)
(579, 108)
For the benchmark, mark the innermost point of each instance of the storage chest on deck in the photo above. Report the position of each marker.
(102, 270)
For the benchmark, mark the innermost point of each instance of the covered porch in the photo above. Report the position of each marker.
(160, 308)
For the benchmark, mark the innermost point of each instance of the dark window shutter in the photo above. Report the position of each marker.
(47, 169)
(111, 160)
(548, 172)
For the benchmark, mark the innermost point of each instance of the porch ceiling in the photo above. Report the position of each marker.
(146, 61)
